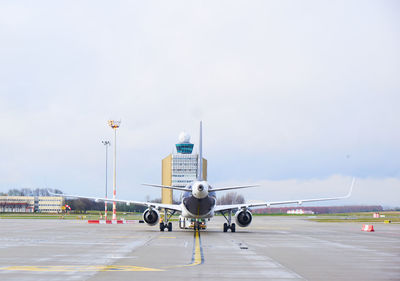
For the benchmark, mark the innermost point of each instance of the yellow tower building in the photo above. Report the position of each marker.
(166, 179)
(180, 168)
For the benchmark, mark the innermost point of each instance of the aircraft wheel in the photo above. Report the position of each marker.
(170, 226)
(162, 226)
(225, 227)
(233, 227)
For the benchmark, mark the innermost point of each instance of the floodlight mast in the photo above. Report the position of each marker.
(106, 144)
(114, 125)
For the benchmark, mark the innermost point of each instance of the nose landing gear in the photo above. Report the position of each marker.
(199, 224)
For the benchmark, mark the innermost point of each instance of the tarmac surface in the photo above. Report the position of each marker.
(272, 248)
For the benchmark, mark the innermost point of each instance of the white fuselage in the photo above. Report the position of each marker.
(200, 202)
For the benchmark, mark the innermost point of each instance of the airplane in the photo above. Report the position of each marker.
(199, 202)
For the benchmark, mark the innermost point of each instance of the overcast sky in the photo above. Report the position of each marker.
(297, 95)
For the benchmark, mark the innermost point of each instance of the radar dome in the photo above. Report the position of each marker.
(184, 137)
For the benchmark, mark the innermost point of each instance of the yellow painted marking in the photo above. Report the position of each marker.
(197, 258)
(197, 251)
(74, 268)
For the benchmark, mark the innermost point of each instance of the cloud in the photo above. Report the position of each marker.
(299, 91)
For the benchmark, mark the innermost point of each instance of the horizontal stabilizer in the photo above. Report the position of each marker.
(167, 186)
(231, 187)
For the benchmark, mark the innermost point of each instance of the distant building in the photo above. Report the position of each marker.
(30, 204)
(50, 204)
(180, 168)
(300, 212)
(17, 204)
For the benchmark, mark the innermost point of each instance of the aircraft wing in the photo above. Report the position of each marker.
(220, 208)
(174, 207)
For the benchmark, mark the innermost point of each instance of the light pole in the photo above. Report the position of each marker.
(106, 144)
(114, 125)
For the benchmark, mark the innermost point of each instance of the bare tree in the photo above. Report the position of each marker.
(231, 198)
(32, 192)
(156, 200)
(14, 192)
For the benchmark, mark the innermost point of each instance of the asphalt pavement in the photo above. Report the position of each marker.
(272, 248)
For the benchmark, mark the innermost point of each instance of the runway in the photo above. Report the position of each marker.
(272, 248)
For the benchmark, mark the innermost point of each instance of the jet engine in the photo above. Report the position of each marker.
(200, 189)
(243, 218)
(151, 216)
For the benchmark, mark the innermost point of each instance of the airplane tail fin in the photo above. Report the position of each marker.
(200, 168)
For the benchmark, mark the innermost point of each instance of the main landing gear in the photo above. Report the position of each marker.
(166, 224)
(229, 224)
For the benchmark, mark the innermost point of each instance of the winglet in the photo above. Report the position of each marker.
(200, 168)
(351, 188)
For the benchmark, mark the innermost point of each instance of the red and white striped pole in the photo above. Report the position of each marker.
(106, 143)
(114, 125)
(105, 210)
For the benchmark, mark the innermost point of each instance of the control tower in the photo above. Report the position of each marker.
(180, 168)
